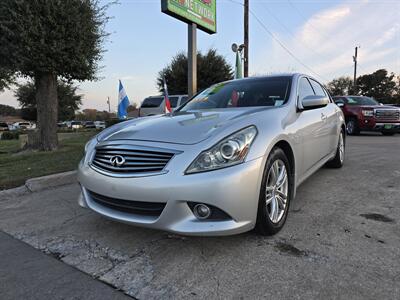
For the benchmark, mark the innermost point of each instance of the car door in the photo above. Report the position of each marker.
(310, 130)
(330, 122)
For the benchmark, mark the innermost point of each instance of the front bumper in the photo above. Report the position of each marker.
(370, 124)
(234, 190)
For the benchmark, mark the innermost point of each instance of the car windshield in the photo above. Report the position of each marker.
(272, 91)
(361, 101)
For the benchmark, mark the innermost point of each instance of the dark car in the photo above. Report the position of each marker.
(366, 114)
(3, 126)
(90, 124)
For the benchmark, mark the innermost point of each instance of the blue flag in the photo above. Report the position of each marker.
(123, 102)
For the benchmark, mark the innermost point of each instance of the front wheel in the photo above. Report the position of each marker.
(338, 160)
(352, 127)
(276, 193)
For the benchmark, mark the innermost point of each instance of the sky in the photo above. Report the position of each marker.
(312, 37)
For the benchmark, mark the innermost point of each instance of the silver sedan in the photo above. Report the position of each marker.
(226, 162)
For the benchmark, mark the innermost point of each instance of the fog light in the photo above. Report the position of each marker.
(201, 211)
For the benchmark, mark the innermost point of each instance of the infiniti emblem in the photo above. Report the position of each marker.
(117, 160)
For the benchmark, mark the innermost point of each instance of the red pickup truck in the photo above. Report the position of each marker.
(365, 114)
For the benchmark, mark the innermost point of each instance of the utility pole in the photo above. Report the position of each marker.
(246, 38)
(108, 102)
(355, 71)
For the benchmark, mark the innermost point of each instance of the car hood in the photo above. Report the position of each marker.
(179, 127)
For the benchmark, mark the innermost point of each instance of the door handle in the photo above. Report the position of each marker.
(323, 117)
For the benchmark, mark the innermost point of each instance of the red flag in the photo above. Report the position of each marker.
(167, 108)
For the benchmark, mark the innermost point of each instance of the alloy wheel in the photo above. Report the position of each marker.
(350, 127)
(276, 193)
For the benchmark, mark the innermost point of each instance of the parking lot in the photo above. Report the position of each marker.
(341, 240)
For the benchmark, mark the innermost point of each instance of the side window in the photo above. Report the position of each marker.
(305, 88)
(319, 91)
(173, 101)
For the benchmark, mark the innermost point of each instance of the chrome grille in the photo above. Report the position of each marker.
(387, 114)
(135, 159)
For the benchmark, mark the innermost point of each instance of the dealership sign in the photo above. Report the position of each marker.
(200, 12)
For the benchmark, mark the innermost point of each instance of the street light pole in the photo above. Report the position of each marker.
(355, 71)
(109, 105)
(246, 38)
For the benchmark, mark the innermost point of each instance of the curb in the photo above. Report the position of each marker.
(41, 183)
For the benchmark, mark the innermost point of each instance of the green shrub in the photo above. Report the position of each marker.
(10, 135)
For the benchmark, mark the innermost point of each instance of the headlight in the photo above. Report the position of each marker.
(230, 151)
(367, 113)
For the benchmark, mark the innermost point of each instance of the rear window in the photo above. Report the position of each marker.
(3, 125)
(152, 102)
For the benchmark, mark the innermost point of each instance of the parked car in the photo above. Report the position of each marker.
(155, 105)
(76, 125)
(100, 124)
(24, 125)
(4, 126)
(366, 114)
(90, 124)
(229, 160)
(62, 125)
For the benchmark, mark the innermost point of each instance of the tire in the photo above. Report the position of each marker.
(352, 127)
(388, 133)
(272, 216)
(338, 160)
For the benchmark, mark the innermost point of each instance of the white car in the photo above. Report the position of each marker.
(100, 124)
(155, 105)
(24, 125)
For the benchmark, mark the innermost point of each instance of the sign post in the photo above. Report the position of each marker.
(197, 14)
(192, 60)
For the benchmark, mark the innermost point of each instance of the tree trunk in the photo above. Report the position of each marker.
(47, 105)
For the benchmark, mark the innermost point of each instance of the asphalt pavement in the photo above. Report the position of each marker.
(27, 273)
(341, 241)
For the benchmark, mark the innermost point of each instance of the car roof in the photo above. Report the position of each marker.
(292, 75)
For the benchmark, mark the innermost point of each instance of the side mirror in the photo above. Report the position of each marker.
(311, 102)
(340, 104)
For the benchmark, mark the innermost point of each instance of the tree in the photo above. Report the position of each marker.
(46, 40)
(6, 110)
(68, 100)
(340, 86)
(211, 68)
(6, 78)
(379, 85)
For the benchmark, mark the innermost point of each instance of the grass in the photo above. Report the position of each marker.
(17, 166)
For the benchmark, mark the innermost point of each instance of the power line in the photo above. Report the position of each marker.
(291, 34)
(305, 19)
(279, 42)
